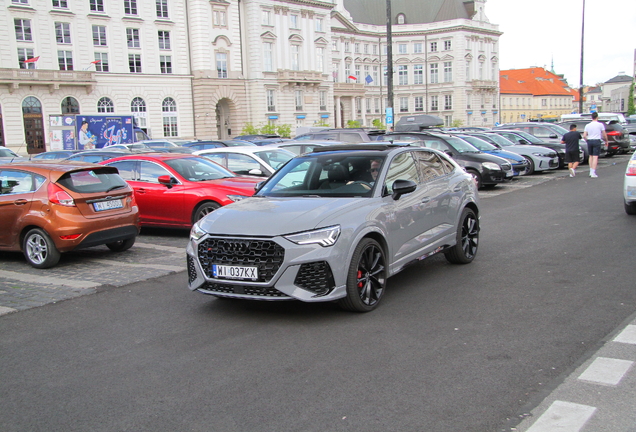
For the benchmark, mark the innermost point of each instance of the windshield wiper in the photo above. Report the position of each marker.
(116, 187)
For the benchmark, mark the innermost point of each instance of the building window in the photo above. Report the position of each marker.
(299, 100)
(169, 111)
(267, 17)
(403, 75)
(417, 47)
(96, 5)
(61, 4)
(375, 75)
(319, 24)
(99, 35)
(164, 39)
(162, 8)
(448, 121)
(293, 21)
(434, 73)
(130, 7)
(368, 105)
(323, 100)
(101, 62)
(295, 57)
(357, 74)
(134, 63)
(468, 65)
(69, 105)
(334, 71)
(366, 48)
(24, 2)
(219, 19)
(132, 36)
(404, 104)
(434, 103)
(165, 64)
(221, 65)
(63, 33)
(494, 72)
(25, 54)
(320, 59)
(347, 72)
(481, 70)
(448, 71)
(375, 49)
(401, 19)
(347, 47)
(448, 102)
(105, 105)
(447, 45)
(376, 105)
(544, 102)
(22, 30)
(359, 105)
(402, 49)
(138, 110)
(418, 74)
(271, 104)
(268, 56)
(65, 60)
(433, 46)
(419, 103)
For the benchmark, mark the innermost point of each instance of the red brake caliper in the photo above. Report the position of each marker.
(360, 284)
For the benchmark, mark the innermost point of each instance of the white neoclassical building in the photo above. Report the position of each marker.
(206, 68)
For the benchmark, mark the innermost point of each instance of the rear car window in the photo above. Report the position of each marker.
(92, 180)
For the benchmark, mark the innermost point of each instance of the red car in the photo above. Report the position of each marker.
(176, 190)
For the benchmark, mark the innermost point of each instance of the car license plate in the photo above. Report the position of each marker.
(108, 205)
(234, 272)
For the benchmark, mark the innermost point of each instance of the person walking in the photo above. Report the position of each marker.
(572, 149)
(594, 135)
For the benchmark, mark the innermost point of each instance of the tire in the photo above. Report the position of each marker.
(467, 240)
(630, 208)
(366, 279)
(530, 165)
(476, 176)
(121, 245)
(39, 250)
(203, 210)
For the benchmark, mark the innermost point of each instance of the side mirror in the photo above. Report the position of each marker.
(448, 152)
(402, 187)
(497, 145)
(167, 181)
(554, 136)
(255, 172)
(522, 141)
(258, 186)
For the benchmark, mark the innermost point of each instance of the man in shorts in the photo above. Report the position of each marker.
(594, 135)
(572, 149)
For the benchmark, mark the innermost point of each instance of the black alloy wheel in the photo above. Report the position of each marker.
(366, 281)
(467, 243)
(204, 209)
(530, 168)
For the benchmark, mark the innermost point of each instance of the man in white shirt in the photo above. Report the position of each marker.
(594, 135)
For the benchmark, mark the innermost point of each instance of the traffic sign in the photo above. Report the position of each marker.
(389, 116)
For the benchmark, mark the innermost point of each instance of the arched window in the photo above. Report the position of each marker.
(70, 106)
(169, 111)
(138, 110)
(33, 125)
(401, 19)
(105, 105)
(31, 105)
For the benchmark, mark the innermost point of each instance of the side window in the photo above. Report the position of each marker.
(242, 164)
(16, 182)
(541, 132)
(512, 137)
(219, 158)
(402, 167)
(436, 144)
(150, 172)
(429, 165)
(296, 149)
(350, 137)
(126, 169)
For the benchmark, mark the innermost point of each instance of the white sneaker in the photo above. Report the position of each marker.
(572, 172)
(593, 174)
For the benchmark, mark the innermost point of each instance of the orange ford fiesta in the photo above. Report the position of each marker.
(51, 207)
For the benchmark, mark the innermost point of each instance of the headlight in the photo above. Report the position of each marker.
(491, 166)
(196, 232)
(324, 237)
(236, 198)
(540, 154)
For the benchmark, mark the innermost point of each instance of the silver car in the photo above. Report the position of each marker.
(629, 186)
(335, 224)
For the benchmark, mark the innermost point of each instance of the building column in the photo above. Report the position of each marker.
(338, 113)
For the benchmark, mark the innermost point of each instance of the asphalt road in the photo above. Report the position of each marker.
(468, 348)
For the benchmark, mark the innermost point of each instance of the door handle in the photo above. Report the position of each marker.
(426, 199)
(457, 188)
(141, 191)
(20, 202)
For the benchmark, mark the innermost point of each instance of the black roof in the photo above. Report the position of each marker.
(356, 147)
(374, 11)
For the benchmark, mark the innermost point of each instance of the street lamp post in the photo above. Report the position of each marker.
(582, 41)
(389, 64)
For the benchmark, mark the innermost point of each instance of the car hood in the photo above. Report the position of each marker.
(526, 148)
(242, 183)
(507, 155)
(258, 216)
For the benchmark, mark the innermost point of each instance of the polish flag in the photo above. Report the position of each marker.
(95, 62)
(353, 78)
(32, 60)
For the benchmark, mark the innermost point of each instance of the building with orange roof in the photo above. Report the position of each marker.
(534, 94)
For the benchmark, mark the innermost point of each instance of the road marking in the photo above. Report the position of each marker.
(605, 370)
(125, 264)
(48, 280)
(563, 417)
(628, 335)
(161, 248)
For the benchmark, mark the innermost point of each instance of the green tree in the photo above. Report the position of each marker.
(631, 109)
(268, 129)
(377, 123)
(284, 130)
(353, 124)
(249, 129)
(457, 123)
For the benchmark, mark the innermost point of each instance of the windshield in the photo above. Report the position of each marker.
(461, 146)
(336, 174)
(275, 158)
(502, 141)
(529, 137)
(479, 143)
(198, 169)
(560, 129)
(5, 152)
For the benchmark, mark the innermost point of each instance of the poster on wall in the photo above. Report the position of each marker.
(56, 139)
(103, 131)
(69, 139)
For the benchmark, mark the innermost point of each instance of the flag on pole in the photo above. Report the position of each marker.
(95, 62)
(32, 60)
(368, 79)
(352, 77)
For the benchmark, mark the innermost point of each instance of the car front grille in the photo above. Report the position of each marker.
(552, 154)
(315, 277)
(220, 289)
(266, 255)
(192, 273)
(506, 167)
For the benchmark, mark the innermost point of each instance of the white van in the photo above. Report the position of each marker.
(618, 117)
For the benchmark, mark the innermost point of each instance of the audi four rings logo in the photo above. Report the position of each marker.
(233, 247)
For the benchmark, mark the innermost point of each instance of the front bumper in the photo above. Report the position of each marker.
(286, 271)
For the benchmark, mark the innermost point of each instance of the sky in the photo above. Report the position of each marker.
(538, 32)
